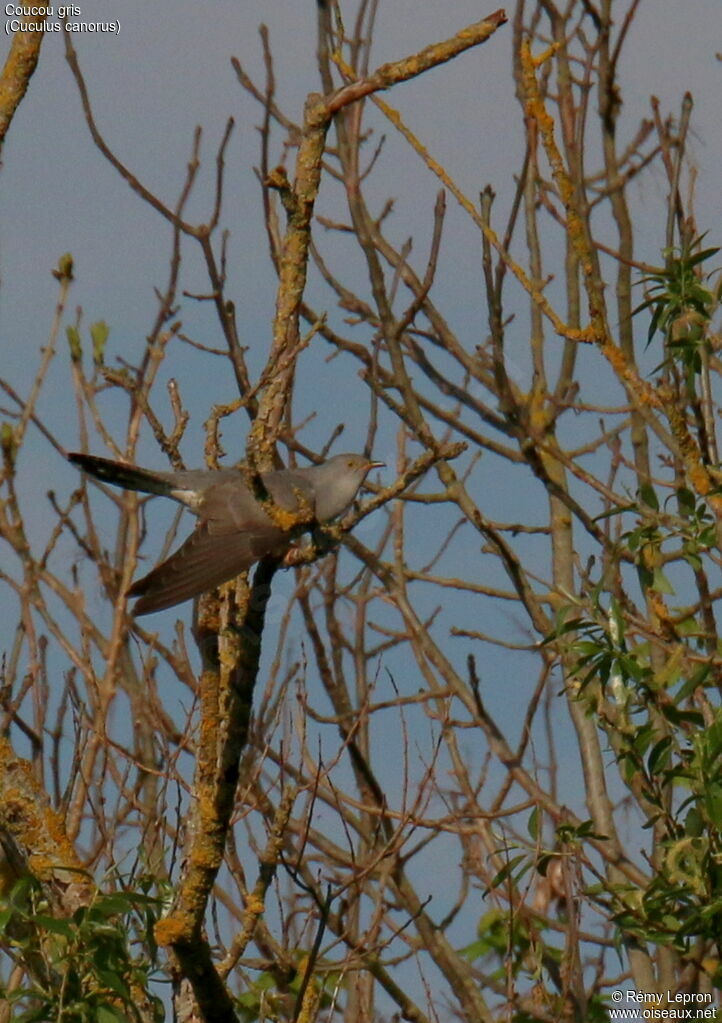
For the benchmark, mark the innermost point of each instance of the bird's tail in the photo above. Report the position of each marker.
(120, 475)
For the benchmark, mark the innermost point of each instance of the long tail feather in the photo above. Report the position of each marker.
(120, 475)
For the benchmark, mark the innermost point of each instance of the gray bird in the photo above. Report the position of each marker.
(234, 529)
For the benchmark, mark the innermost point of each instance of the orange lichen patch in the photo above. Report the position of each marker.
(35, 828)
(172, 929)
(255, 905)
(415, 64)
(660, 615)
(210, 711)
(27, 813)
(644, 392)
(18, 70)
(285, 520)
(204, 854)
(699, 478)
(698, 474)
(585, 335)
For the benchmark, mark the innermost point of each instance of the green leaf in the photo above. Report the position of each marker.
(505, 871)
(643, 305)
(573, 625)
(693, 683)
(678, 717)
(646, 578)
(661, 583)
(76, 348)
(659, 755)
(701, 256)
(53, 925)
(654, 323)
(111, 979)
(648, 494)
(99, 334)
(686, 500)
(693, 823)
(5, 915)
(693, 560)
(109, 1014)
(115, 904)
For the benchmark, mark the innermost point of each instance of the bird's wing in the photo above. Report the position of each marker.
(233, 532)
(211, 555)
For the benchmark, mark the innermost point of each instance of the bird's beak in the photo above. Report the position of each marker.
(377, 465)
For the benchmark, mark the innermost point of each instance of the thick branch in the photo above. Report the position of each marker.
(17, 72)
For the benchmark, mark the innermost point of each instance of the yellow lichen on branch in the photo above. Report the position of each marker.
(643, 393)
(698, 474)
(17, 72)
(37, 834)
(409, 67)
(205, 850)
(171, 929)
(537, 113)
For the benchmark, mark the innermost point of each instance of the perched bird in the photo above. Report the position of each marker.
(234, 528)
